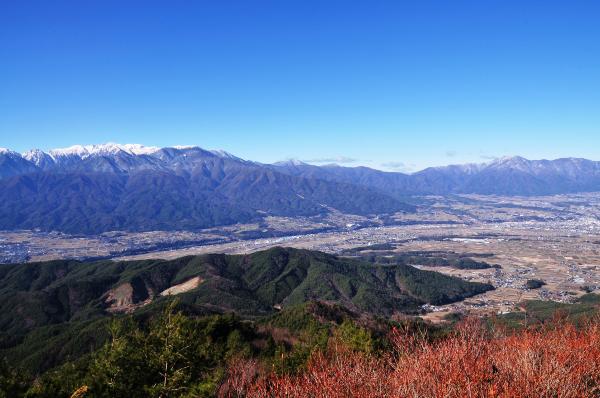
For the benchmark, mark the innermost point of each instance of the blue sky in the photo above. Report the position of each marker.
(394, 85)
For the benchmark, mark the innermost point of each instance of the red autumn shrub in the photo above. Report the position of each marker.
(562, 361)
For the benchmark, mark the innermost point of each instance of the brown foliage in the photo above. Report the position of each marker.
(80, 392)
(562, 361)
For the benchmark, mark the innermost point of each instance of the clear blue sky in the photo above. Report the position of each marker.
(393, 84)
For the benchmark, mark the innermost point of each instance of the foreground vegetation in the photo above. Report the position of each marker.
(560, 361)
(326, 350)
(281, 322)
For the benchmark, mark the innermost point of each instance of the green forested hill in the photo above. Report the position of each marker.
(52, 292)
(61, 303)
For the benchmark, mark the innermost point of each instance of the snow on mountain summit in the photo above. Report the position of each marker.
(224, 154)
(112, 157)
(84, 151)
(38, 157)
(6, 151)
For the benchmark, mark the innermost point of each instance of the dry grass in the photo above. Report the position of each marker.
(561, 361)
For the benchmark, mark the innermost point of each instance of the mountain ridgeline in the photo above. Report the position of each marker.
(110, 188)
(93, 189)
(504, 176)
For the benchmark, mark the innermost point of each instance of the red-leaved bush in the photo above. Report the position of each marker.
(562, 361)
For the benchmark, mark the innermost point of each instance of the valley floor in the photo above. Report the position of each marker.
(555, 239)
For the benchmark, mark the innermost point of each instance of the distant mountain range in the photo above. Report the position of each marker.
(504, 176)
(96, 188)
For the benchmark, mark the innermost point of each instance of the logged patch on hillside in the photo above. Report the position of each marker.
(183, 287)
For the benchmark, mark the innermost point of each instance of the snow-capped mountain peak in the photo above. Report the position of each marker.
(6, 151)
(112, 157)
(38, 157)
(138, 149)
(511, 161)
(84, 151)
(184, 147)
(224, 154)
